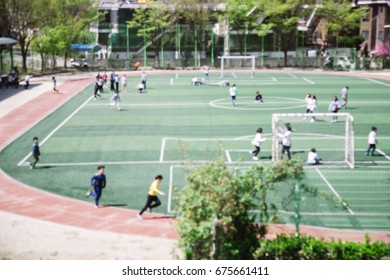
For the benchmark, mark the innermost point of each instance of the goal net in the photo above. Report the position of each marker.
(242, 63)
(331, 134)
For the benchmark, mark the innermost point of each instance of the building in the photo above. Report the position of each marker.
(375, 28)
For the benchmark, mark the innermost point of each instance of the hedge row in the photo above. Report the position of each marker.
(285, 247)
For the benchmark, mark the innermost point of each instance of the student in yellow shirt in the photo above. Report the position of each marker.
(152, 196)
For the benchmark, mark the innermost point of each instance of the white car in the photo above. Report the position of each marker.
(82, 64)
(338, 62)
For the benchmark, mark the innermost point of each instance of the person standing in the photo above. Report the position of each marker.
(152, 196)
(27, 81)
(116, 80)
(313, 107)
(206, 75)
(334, 107)
(143, 79)
(233, 94)
(54, 81)
(286, 141)
(98, 183)
(344, 96)
(372, 141)
(307, 102)
(124, 84)
(112, 81)
(256, 142)
(35, 152)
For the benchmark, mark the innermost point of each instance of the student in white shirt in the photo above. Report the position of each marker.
(286, 141)
(256, 142)
(372, 141)
(312, 157)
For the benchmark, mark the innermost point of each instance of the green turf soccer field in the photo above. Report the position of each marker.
(176, 124)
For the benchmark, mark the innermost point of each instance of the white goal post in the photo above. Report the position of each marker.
(331, 134)
(226, 58)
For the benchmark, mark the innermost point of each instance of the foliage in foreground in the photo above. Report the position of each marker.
(215, 206)
(217, 221)
(309, 248)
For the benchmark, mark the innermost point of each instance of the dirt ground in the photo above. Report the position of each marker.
(23, 238)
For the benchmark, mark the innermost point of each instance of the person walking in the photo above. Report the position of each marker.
(98, 183)
(286, 141)
(143, 79)
(35, 152)
(313, 107)
(372, 141)
(344, 96)
(152, 196)
(54, 81)
(256, 142)
(334, 107)
(233, 94)
(116, 100)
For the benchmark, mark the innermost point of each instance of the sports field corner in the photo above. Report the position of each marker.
(41, 209)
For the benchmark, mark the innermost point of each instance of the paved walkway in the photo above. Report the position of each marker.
(20, 112)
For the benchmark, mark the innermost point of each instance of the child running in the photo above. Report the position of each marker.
(98, 183)
(152, 196)
(256, 142)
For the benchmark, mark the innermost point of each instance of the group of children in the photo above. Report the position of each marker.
(101, 83)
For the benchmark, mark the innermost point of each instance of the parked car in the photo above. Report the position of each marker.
(338, 62)
(80, 64)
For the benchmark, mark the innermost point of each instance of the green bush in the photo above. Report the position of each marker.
(285, 247)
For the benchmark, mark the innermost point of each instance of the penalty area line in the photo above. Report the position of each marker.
(383, 154)
(56, 129)
(334, 191)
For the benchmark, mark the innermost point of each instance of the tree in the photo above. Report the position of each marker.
(340, 18)
(216, 204)
(22, 19)
(197, 17)
(282, 17)
(152, 23)
(72, 19)
(215, 223)
(240, 16)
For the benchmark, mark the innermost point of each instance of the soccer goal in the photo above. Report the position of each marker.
(331, 134)
(246, 63)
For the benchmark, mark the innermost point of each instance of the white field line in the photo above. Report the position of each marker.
(274, 79)
(234, 75)
(172, 81)
(170, 188)
(229, 159)
(295, 77)
(309, 81)
(56, 129)
(162, 149)
(250, 162)
(334, 214)
(152, 105)
(383, 154)
(378, 82)
(332, 189)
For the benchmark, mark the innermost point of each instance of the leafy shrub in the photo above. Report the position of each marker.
(285, 247)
